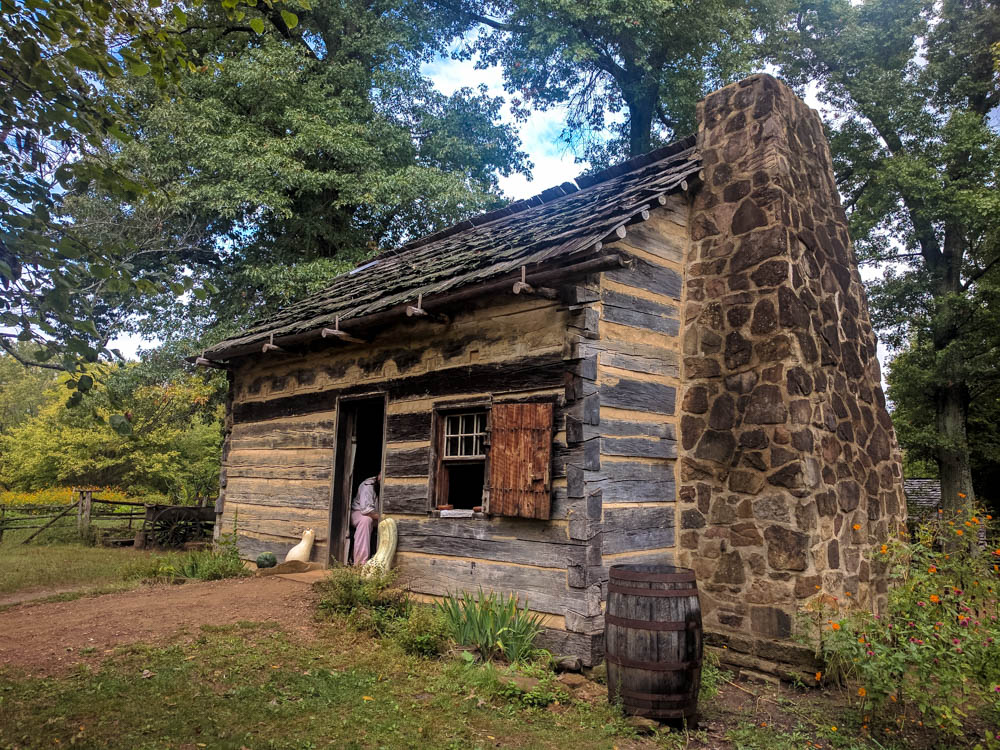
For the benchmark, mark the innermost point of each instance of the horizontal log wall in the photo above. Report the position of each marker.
(280, 457)
(624, 423)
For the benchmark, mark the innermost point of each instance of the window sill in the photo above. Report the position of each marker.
(458, 514)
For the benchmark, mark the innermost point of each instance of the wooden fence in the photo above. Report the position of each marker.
(88, 509)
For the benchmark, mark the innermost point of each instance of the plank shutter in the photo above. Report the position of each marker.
(521, 460)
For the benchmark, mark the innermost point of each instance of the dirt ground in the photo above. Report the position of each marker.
(48, 638)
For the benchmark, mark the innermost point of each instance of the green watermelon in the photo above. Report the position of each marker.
(266, 560)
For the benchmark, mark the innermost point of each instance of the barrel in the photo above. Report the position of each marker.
(652, 641)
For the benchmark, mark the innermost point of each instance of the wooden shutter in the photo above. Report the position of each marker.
(521, 460)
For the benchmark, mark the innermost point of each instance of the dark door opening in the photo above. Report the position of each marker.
(360, 447)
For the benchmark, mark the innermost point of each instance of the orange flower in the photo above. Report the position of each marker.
(885, 549)
(935, 598)
(961, 495)
(835, 626)
(819, 676)
(969, 524)
(847, 593)
(974, 519)
(989, 517)
(892, 698)
(959, 532)
(940, 511)
(861, 639)
(862, 692)
(932, 569)
(857, 527)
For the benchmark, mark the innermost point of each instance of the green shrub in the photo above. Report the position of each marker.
(202, 565)
(370, 602)
(934, 649)
(423, 633)
(493, 624)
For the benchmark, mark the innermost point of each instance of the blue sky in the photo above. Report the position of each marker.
(553, 162)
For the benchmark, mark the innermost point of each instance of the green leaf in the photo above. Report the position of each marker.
(291, 20)
(257, 25)
(138, 68)
(85, 383)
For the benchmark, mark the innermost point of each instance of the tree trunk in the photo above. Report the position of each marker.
(952, 407)
(640, 122)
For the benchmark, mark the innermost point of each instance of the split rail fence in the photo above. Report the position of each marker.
(88, 509)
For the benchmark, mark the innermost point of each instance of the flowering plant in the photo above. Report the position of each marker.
(936, 647)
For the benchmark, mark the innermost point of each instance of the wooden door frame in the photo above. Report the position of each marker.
(336, 549)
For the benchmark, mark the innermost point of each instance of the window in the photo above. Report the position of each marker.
(503, 453)
(465, 435)
(461, 472)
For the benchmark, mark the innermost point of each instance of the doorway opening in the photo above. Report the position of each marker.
(360, 450)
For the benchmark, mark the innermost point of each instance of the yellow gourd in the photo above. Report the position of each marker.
(381, 561)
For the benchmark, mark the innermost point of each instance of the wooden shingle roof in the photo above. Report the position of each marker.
(561, 223)
(923, 496)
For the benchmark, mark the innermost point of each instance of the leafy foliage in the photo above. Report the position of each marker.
(287, 157)
(934, 648)
(912, 378)
(651, 59)
(422, 633)
(493, 624)
(201, 565)
(370, 602)
(56, 57)
(911, 85)
(168, 444)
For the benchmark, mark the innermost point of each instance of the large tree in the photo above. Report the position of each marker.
(911, 85)
(289, 154)
(629, 71)
(56, 57)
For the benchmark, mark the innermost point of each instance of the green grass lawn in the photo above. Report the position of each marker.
(59, 565)
(249, 686)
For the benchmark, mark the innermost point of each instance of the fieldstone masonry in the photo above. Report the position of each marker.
(789, 466)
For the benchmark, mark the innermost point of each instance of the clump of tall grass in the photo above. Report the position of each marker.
(370, 602)
(493, 624)
(201, 565)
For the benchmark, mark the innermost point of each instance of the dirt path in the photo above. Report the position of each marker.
(46, 639)
(22, 597)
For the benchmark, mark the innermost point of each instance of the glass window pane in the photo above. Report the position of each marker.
(467, 446)
(481, 422)
(479, 445)
(452, 447)
(468, 424)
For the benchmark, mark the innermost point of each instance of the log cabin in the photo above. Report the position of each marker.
(670, 360)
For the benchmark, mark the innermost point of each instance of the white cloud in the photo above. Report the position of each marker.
(552, 159)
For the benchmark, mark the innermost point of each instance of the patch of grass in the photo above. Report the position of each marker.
(31, 567)
(202, 565)
(761, 736)
(248, 685)
(424, 632)
(712, 676)
(369, 602)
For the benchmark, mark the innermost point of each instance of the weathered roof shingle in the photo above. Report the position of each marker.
(558, 223)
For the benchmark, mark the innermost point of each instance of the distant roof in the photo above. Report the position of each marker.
(922, 495)
(560, 222)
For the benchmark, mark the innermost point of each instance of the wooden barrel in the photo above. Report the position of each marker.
(652, 640)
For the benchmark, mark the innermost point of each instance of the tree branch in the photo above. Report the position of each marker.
(27, 362)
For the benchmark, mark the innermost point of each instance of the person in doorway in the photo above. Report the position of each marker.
(364, 514)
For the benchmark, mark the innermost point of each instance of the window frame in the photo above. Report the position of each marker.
(440, 411)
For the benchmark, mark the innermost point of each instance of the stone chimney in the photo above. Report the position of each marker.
(790, 471)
